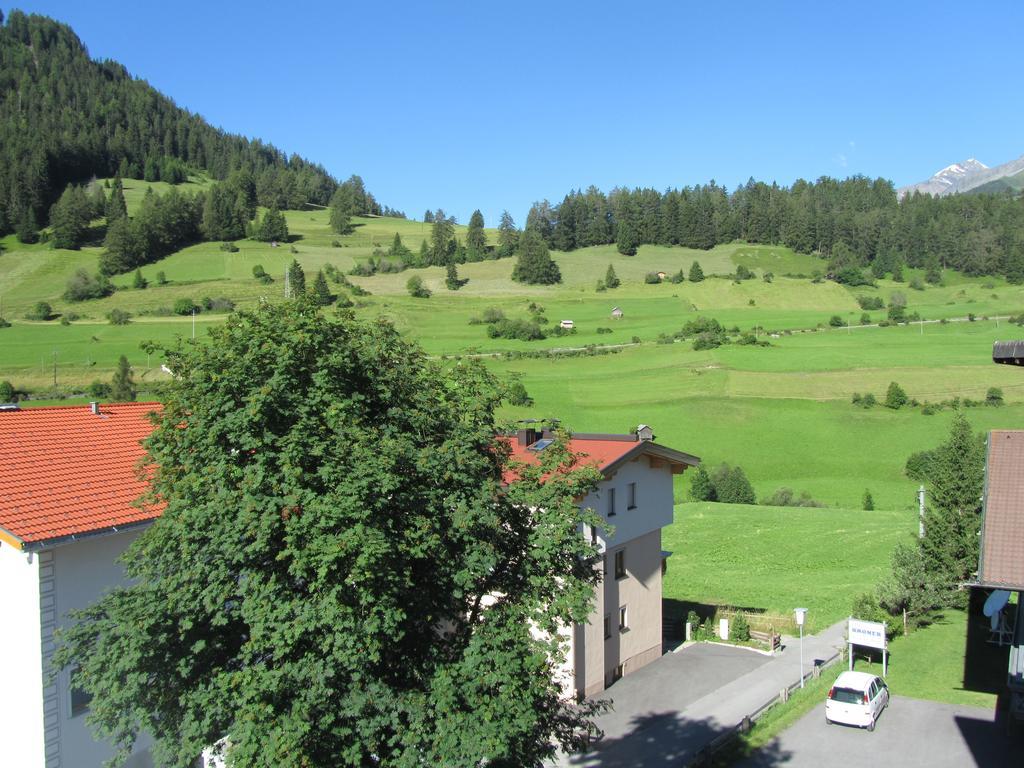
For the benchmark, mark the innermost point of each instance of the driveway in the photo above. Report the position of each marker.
(650, 726)
(909, 733)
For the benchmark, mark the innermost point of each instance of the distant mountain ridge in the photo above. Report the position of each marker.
(970, 175)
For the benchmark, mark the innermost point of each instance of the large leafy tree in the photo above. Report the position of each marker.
(340, 575)
(534, 264)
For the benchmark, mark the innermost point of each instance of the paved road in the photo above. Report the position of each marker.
(909, 733)
(667, 711)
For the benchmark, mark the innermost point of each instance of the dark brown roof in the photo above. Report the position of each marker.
(1008, 352)
(1002, 526)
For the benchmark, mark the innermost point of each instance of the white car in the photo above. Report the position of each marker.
(856, 698)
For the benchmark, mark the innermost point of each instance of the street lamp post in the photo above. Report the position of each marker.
(801, 614)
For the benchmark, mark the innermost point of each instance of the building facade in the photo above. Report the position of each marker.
(635, 499)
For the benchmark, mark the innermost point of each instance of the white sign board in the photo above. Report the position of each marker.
(869, 633)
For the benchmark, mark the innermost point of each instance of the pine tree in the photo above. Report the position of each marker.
(122, 387)
(69, 218)
(508, 236)
(442, 238)
(534, 265)
(273, 228)
(476, 238)
(139, 282)
(342, 205)
(117, 208)
(735, 488)
(868, 501)
(701, 487)
(296, 280)
(953, 518)
(626, 238)
(321, 291)
(27, 228)
(452, 282)
(696, 273)
(611, 280)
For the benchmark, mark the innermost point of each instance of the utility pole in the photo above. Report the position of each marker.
(920, 512)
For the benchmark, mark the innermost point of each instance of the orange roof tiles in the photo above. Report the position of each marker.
(1002, 529)
(67, 472)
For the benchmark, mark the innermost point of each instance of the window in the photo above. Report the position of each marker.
(623, 619)
(607, 627)
(79, 698)
(620, 564)
(611, 502)
(631, 498)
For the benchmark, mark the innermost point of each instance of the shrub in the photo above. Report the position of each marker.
(229, 247)
(732, 485)
(742, 273)
(994, 397)
(865, 319)
(768, 277)
(366, 269)
(868, 502)
(652, 278)
(522, 330)
(871, 302)
(40, 311)
(7, 393)
(517, 394)
(836, 321)
(635, 340)
(604, 330)
(161, 278)
(184, 307)
(119, 317)
(701, 487)
(335, 244)
(916, 284)
(220, 304)
(98, 389)
(739, 628)
(785, 497)
(414, 285)
(895, 397)
(853, 276)
(82, 286)
(261, 274)
(139, 283)
(678, 277)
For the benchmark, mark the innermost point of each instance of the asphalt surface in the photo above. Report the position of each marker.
(909, 733)
(666, 712)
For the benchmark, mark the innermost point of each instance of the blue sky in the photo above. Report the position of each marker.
(490, 105)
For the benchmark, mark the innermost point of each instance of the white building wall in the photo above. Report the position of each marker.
(82, 572)
(638, 531)
(21, 680)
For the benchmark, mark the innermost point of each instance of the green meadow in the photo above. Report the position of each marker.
(781, 411)
(749, 558)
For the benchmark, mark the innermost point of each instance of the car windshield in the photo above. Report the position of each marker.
(847, 696)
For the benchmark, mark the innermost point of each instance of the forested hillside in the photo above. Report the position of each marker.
(65, 118)
(856, 223)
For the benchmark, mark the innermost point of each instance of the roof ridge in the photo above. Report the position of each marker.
(43, 408)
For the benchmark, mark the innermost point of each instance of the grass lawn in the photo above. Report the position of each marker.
(771, 559)
(929, 663)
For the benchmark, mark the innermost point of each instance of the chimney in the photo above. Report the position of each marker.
(527, 437)
(644, 433)
(95, 408)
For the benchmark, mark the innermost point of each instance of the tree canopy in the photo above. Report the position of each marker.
(375, 593)
(534, 264)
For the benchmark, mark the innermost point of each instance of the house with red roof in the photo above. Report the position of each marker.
(68, 485)
(624, 631)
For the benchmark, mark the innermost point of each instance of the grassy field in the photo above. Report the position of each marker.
(782, 411)
(770, 559)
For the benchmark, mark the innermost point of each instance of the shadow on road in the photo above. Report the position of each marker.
(991, 743)
(662, 740)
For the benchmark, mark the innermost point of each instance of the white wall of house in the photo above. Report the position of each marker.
(638, 535)
(21, 680)
(82, 572)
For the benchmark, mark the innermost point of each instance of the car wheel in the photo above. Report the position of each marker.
(827, 721)
(871, 725)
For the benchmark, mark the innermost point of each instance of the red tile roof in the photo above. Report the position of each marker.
(1002, 527)
(67, 472)
(604, 454)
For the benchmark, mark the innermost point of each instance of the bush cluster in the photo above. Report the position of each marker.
(786, 497)
(726, 484)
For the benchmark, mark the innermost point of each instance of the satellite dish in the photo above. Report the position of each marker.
(996, 601)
